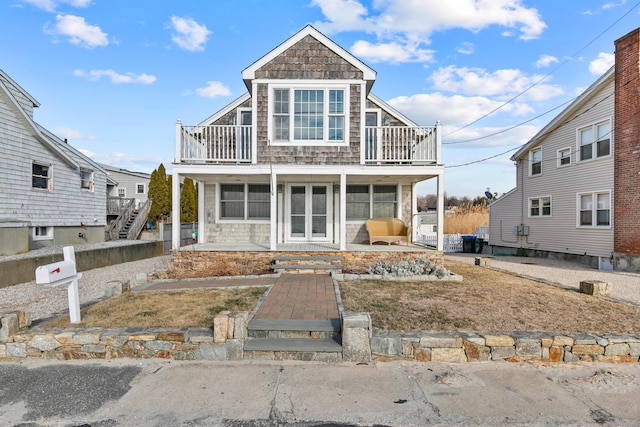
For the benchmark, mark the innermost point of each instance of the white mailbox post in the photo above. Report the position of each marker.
(63, 273)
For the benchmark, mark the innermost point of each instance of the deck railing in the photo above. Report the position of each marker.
(381, 144)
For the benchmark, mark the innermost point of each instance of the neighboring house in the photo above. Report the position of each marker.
(307, 155)
(566, 203)
(50, 193)
(126, 184)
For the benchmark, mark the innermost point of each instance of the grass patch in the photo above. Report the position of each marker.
(166, 309)
(486, 301)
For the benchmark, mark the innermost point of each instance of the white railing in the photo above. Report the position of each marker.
(452, 242)
(401, 144)
(215, 143)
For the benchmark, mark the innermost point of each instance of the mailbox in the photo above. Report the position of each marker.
(55, 272)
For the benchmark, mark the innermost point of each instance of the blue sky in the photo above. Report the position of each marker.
(113, 76)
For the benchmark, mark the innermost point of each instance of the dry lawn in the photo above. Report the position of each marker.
(485, 301)
(165, 309)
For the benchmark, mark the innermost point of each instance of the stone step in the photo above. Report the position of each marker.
(313, 258)
(289, 345)
(311, 268)
(294, 329)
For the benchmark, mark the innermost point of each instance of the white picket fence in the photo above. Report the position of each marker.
(452, 242)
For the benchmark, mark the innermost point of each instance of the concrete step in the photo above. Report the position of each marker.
(294, 329)
(289, 345)
(305, 264)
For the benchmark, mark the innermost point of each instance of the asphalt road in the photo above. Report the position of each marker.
(261, 394)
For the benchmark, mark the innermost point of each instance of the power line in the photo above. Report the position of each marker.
(548, 74)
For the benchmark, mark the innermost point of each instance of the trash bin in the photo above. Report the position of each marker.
(479, 245)
(469, 244)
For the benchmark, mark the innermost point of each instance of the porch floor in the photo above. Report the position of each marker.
(305, 247)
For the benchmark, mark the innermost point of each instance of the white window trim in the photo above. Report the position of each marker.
(91, 179)
(311, 85)
(144, 186)
(594, 210)
(594, 127)
(540, 206)
(49, 167)
(220, 220)
(559, 157)
(531, 174)
(124, 196)
(48, 236)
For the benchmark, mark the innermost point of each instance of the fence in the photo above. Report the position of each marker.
(452, 242)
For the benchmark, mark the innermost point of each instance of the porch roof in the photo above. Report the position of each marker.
(304, 247)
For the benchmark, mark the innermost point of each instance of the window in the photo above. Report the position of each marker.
(309, 115)
(594, 209)
(595, 141)
(140, 188)
(371, 201)
(41, 176)
(540, 206)
(86, 179)
(42, 233)
(564, 157)
(122, 192)
(245, 201)
(535, 160)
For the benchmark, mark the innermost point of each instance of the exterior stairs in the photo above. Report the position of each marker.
(309, 340)
(307, 264)
(124, 231)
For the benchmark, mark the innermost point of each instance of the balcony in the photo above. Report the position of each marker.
(382, 145)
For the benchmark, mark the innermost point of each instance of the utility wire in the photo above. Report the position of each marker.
(548, 74)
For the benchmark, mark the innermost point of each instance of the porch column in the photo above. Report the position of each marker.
(175, 211)
(201, 211)
(414, 211)
(273, 234)
(440, 244)
(343, 211)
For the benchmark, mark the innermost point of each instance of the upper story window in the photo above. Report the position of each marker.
(564, 157)
(594, 209)
(140, 188)
(41, 176)
(308, 115)
(535, 162)
(595, 141)
(86, 179)
(122, 192)
(540, 206)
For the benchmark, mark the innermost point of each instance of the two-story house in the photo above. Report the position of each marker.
(127, 184)
(307, 155)
(50, 193)
(578, 174)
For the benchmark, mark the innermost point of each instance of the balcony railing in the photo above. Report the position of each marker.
(381, 144)
(215, 144)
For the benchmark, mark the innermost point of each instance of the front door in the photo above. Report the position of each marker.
(309, 207)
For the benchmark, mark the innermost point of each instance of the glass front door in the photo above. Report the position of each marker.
(308, 212)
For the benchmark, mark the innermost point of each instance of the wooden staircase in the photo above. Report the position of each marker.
(124, 231)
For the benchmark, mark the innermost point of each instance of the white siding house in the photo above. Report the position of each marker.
(50, 193)
(127, 184)
(307, 155)
(563, 202)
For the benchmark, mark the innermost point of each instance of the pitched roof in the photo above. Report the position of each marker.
(561, 118)
(368, 73)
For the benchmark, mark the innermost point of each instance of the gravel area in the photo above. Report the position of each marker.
(44, 302)
(625, 286)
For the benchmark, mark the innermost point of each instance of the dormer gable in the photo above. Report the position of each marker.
(309, 55)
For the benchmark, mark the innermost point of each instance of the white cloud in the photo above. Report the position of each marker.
(602, 63)
(73, 134)
(412, 22)
(545, 61)
(115, 77)
(127, 161)
(189, 35)
(78, 31)
(505, 82)
(213, 89)
(51, 5)
(465, 48)
(391, 52)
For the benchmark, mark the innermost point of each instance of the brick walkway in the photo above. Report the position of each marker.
(292, 297)
(300, 297)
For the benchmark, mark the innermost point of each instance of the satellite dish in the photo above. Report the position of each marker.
(489, 195)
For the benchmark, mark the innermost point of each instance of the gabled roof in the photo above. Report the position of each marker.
(108, 168)
(226, 109)
(561, 118)
(368, 73)
(33, 127)
(397, 114)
